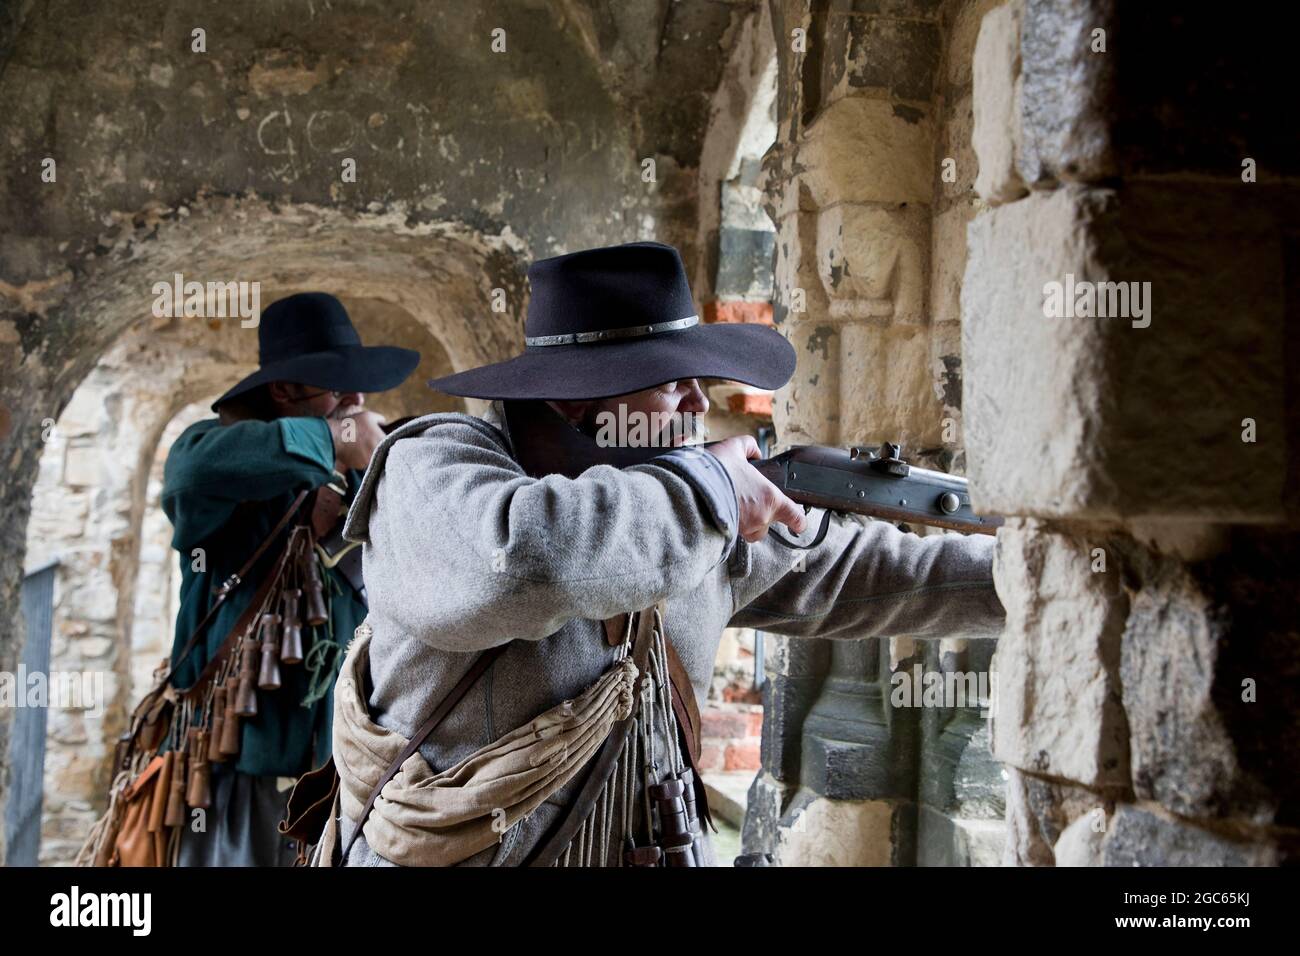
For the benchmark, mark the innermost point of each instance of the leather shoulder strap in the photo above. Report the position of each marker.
(688, 726)
(327, 510)
(481, 664)
(684, 704)
(233, 581)
(242, 624)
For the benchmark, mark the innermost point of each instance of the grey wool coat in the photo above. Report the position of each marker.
(463, 551)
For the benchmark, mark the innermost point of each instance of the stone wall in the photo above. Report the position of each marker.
(1146, 694)
(869, 186)
(939, 166)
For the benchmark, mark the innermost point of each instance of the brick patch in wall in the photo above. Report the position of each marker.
(749, 403)
(730, 737)
(757, 313)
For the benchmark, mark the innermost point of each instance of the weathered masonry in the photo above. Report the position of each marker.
(900, 186)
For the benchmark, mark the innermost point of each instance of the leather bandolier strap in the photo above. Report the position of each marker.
(242, 624)
(234, 580)
(684, 706)
(326, 508)
(336, 552)
(149, 709)
(548, 852)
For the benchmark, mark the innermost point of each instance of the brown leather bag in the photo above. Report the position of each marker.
(310, 803)
(141, 838)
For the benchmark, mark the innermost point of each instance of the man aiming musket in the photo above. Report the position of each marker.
(263, 619)
(525, 688)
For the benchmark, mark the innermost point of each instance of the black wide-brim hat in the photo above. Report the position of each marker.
(309, 339)
(620, 319)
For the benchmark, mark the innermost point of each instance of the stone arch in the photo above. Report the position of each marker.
(466, 162)
(91, 500)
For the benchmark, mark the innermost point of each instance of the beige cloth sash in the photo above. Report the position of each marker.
(423, 818)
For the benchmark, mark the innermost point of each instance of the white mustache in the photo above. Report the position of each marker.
(685, 430)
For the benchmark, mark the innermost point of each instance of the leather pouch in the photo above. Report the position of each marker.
(136, 844)
(310, 804)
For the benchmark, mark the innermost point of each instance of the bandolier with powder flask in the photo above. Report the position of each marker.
(164, 761)
(639, 805)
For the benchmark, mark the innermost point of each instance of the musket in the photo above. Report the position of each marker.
(882, 485)
(855, 480)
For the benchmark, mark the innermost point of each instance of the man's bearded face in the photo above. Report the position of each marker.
(682, 404)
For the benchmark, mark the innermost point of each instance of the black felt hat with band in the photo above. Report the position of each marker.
(615, 320)
(308, 339)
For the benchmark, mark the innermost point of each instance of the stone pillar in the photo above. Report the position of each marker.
(961, 790)
(858, 768)
(157, 595)
(849, 184)
(866, 108)
(795, 670)
(1146, 678)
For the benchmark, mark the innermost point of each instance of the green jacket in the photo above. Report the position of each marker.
(224, 488)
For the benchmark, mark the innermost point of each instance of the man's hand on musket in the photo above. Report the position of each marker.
(356, 435)
(761, 502)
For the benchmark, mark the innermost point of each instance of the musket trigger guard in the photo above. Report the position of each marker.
(785, 542)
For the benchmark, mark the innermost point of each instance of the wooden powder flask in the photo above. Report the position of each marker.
(687, 778)
(642, 856)
(291, 637)
(268, 677)
(230, 729)
(246, 702)
(675, 838)
(199, 792)
(175, 815)
(218, 727)
(317, 613)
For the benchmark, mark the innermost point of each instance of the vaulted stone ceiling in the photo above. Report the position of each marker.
(469, 162)
(539, 146)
